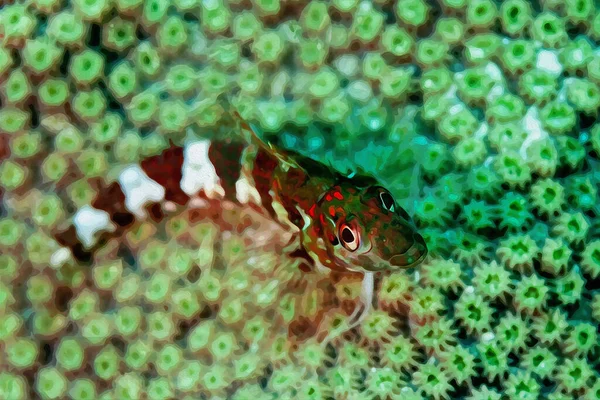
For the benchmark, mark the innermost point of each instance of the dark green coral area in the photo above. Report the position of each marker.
(480, 116)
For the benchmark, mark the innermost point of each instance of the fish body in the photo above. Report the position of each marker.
(343, 223)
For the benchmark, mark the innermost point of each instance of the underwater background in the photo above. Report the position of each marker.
(480, 115)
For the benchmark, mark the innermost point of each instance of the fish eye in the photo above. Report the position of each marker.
(349, 238)
(387, 201)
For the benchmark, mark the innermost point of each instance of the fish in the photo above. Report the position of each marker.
(339, 222)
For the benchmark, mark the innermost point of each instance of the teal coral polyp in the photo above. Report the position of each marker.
(481, 117)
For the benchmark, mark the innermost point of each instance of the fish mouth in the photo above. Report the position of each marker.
(413, 256)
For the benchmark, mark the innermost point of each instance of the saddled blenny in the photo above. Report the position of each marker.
(343, 223)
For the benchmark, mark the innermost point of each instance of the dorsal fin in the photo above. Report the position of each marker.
(253, 138)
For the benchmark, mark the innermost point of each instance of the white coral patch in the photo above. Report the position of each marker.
(487, 337)
(59, 257)
(198, 172)
(548, 61)
(245, 192)
(88, 221)
(359, 90)
(494, 71)
(347, 65)
(139, 190)
(170, 206)
(533, 127)
(498, 89)
(482, 131)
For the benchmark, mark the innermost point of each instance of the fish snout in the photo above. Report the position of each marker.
(413, 256)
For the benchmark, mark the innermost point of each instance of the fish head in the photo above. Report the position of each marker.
(366, 230)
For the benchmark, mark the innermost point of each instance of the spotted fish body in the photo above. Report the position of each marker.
(341, 223)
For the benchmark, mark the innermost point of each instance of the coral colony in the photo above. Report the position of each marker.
(480, 116)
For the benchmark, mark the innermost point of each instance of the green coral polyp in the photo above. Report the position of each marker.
(569, 288)
(172, 34)
(474, 84)
(315, 17)
(474, 313)
(590, 262)
(50, 383)
(432, 380)
(159, 389)
(431, 212)
(245, 26)
(450, 30)
(22, 353)
(458, 125)
(571, 151)
(555, 256)
(549, 29)
(515, 212)
(87, 67)
(426, 304)
(543, 157)
(120, 34)
(530, 294)
(17, 87)
(515, 16)
(106, 363)
(506, 108)
(97, 329)
(122, 81)
(518, 252)
(494, 358)
(142, 108)
(397, 41)
(572, 227)
(519, 56)
(128, 320)
(431, 52)
(70, 354)
(582, 193)
(438, 336)
(523, 386)
(469, 152)
(574, 374)
(67, 29)
(540, 361)
(481, 13)
(136, 355)
(83, 389)
(54, 92)
(26, 145)
(147, 59)
(89, 105)
(582, 339)
(41, 55)
(18, 23)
